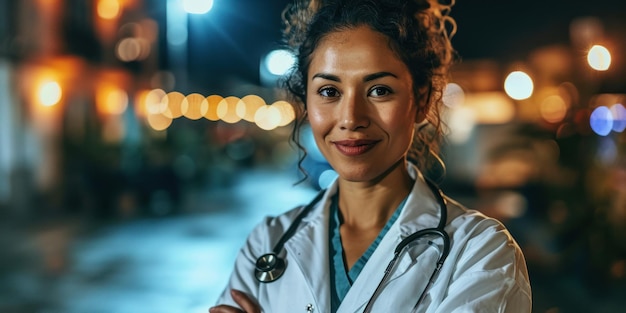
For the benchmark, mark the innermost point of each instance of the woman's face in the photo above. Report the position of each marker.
(360, 104)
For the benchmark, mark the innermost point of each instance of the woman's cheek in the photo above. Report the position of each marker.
(317, 120)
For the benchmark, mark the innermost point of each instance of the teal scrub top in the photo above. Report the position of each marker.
(340, 279)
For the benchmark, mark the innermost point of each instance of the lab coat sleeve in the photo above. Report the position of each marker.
(260, 241)
(242, 277)
(490, 273)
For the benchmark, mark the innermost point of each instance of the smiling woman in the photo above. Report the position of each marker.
(369, 78)
(359, 96)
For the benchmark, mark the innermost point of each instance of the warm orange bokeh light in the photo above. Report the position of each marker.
(174, 101)
(213, 101)
(553, 109)
(111, 100)
(159, 122)
(267, 117)
(194, 106)
(109, 9)
(287, 113)
(247, 107)
(227, 110)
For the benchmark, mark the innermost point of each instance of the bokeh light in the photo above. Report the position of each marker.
(461, 121)
(109, 9)
(154, 103)
(197, 6)
(599, 58)
(248, 105)
(194, 106)
(279, 62)
(213, 101)
(251, 108)
(491, 107)
(49, 93)
(174, 100)
(227, 110)
(287, 113)
(601, 121)
(619, 117)
(553, 109)
(132, 49)
(518, 85)
(111, 100)
(453, 95)
(267, 117)
(159, 122)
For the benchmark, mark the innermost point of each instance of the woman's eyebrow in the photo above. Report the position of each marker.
(327, 76)
(378, 75)
(367, 78)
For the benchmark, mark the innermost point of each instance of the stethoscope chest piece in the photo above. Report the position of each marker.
(269, 267)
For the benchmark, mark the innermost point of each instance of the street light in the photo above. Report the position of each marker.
(274, 65)
(197, 6)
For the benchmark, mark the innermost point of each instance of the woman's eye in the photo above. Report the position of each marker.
(379, 91)
(328, 92)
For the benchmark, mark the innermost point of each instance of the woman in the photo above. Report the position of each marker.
(369, 73)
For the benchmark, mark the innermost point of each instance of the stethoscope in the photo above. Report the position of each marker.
(270, 267)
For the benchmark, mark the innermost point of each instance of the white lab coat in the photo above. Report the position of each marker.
(484, 272)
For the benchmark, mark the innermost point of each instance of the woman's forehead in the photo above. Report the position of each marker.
(359, 47)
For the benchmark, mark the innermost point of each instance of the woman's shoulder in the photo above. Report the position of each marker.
(462, 217)
(473, 227)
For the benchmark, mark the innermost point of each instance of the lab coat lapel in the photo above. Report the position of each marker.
(308, 251)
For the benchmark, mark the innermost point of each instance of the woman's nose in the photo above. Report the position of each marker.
(353, 113)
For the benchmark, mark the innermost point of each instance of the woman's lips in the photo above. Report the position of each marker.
(354, 147)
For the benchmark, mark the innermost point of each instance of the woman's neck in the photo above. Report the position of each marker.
(367, 205)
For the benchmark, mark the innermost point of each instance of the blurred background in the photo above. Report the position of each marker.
(141, 140)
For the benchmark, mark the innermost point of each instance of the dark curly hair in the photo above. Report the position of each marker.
(419, 33)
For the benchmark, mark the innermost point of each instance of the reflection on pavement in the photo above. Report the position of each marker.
(170, 264)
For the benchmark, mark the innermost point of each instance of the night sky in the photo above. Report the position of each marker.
(230, 41)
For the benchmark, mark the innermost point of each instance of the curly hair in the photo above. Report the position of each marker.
(419, 33)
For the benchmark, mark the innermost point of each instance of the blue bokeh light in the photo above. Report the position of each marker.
(619, 117)
(601, 121)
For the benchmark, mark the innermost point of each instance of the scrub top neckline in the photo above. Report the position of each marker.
(341, 279)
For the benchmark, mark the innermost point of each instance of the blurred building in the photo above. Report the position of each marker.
(91, 90)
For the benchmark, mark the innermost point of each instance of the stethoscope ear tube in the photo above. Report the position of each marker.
(424, 232)
(400, 247)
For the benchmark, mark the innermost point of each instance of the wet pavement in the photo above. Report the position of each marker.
(160, 264)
